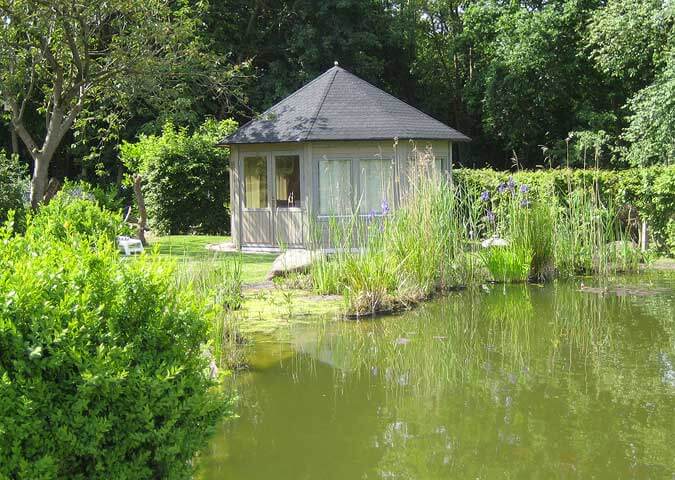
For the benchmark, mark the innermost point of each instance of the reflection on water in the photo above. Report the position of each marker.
(505, 382)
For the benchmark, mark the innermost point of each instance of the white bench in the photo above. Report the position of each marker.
(129, 245)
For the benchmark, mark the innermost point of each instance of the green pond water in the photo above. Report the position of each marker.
(497, 382)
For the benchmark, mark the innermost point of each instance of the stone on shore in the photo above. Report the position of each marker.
(292, 261)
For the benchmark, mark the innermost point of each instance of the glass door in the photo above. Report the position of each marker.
(256, 219)
(288, 221)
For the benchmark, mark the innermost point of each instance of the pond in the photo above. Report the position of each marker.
(519, 381)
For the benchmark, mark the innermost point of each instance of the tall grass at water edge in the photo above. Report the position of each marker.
(432, 242)
(402, 257)
(218, 283)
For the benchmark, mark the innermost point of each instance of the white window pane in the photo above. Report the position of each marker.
(255, 182)
(439, 165)
(335, 187)
(287, 168)
(377, 185)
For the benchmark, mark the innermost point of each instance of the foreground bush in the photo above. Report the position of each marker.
(69, 216)
(102, 369)
(13, 187)
(185, 178)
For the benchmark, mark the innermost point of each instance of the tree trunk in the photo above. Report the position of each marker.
(15, 141)
(53, 188)
(142, 216)
(38, 184)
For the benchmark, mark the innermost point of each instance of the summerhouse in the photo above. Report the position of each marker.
(335, 148)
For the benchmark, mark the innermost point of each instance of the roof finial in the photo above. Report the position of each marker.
(336, 63)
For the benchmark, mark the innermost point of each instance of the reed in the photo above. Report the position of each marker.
(432, 241)
(396, 259)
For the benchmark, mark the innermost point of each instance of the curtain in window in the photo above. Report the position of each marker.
(335, 187)
(255, 182)
(377, 184)
(287, 168)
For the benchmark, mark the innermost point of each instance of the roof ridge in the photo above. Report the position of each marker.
(323, 99)
(404, 102)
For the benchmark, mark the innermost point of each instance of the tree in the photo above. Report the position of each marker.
(60, 55)
(634, 42)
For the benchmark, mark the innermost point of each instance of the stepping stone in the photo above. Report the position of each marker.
(291, 261)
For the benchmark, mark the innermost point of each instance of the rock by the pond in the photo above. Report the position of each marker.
(494, 242)
(296, 260)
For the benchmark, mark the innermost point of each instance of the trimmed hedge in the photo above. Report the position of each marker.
(651, 191)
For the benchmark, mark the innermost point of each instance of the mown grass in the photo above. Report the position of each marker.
(194, 259)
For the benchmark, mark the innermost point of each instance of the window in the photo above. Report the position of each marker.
(377, 184)
(440, 165)
(255, 182)
(287, 168)
(335, 187)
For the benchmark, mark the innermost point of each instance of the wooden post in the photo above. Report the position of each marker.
(643, 236)
(142, 216)
(450, 159)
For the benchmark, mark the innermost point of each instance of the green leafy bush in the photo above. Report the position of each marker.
(13, 187)
(185, 178)
(107, 197)
(102, 368)
(69, 217)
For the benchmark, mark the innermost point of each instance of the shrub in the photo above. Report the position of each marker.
(108, 198)
(185, 178)
(70, 217)
(13, 187)
(102, 368)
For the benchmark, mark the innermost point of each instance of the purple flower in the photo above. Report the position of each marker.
(511, 184)
(485, 196)
(501, 188)
(524, 203)
(524, 188)
(490, 216)
(385, 207)
(371, 216)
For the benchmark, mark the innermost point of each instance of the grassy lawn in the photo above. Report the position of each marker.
(191, 251)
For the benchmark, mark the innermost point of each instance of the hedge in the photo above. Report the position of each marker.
(651, 191)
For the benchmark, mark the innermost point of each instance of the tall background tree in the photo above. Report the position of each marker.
(63, 57)
(526, 80)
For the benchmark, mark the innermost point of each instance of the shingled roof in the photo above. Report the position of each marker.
(338, 105)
